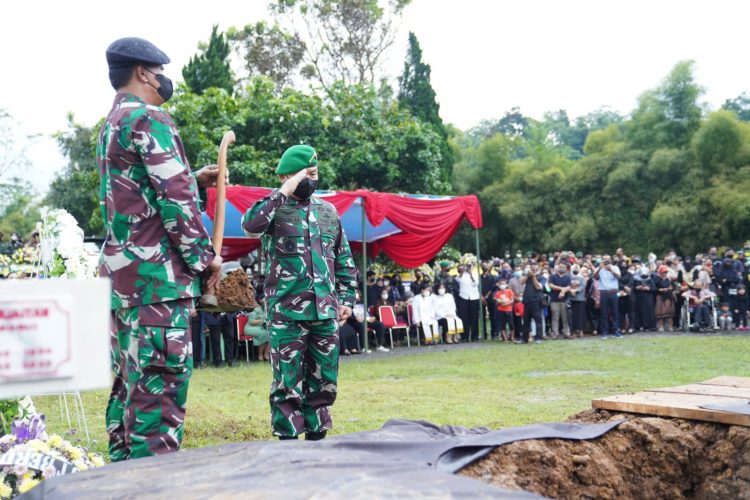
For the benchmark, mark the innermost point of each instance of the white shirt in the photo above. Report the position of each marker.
(468, 288)
(443, 305)
(422, 309)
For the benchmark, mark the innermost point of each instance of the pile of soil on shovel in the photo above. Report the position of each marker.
(236, 292)
(645, 457)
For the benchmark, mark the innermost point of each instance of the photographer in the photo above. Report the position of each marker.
(608, 277)
(532, 306)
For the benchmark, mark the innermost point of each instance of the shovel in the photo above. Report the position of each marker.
(209, 298)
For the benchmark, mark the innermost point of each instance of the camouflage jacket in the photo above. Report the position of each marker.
(308, 265)
(156, 244)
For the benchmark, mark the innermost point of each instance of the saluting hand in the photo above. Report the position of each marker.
(292, 182)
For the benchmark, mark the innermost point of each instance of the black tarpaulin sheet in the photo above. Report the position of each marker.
(402, 459)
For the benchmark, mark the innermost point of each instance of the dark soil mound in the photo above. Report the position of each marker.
(645, 457)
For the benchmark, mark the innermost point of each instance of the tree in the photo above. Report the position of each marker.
(12, 154)
(18, 210)
(210, 68)
(76, 188)
(344, 40)
(740, 106)
(269, 51)
(415, 90)
(417, 95)
(669, 114)
(363, 139)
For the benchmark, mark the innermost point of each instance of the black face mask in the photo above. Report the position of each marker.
(166, 88)
(305, 188)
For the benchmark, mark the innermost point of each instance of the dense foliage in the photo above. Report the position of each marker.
(666, 177)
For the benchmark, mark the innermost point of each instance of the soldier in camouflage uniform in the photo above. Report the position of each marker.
(310, 282)
(154, 253)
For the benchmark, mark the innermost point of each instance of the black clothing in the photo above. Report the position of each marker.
(222, 329)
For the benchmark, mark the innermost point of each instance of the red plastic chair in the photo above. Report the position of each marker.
(388, 318)
(241, 322)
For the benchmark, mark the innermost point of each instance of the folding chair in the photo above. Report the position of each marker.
(241, 322)
(388, 318)
(410, 321)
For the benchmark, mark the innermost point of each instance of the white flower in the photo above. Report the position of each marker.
(26, 407)
(49, 471)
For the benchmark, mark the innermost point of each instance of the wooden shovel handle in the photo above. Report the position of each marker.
(221, 192)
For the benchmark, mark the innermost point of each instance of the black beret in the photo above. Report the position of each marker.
(131, 51)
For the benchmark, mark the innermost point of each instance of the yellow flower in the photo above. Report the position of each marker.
(80, 465)
(97, 460)
(27, 485)
(55, 441)
(38, 446)
(5, 491)
(74, 453)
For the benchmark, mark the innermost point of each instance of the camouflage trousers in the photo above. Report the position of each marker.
(152, 362)
(305, 361)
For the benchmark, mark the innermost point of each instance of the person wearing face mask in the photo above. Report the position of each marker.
(577, 301)
(645, 289)
(561, 289)
(516, 286)
(468, 291)
(310, 285)
(155, 252)
(626, 299)
(504, 299)
(489, 287)
(451, 326)
(423, 315)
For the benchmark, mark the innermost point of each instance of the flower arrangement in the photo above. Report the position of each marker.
(21, 261)
(63, 252)
(28, 455)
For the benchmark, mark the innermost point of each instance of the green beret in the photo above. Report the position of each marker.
(296, 158)
(445, 263)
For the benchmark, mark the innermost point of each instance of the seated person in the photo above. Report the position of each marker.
(356, 320)
(696, 297)
(423, 315)
(256, 327)
(348, 342)
(445, 312)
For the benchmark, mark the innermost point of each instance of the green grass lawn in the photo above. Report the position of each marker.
(488, 384)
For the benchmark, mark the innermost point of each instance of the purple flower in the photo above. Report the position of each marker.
(34, 428)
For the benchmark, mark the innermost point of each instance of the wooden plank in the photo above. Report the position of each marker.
(667, 404)
(708, 390)
(729, 381)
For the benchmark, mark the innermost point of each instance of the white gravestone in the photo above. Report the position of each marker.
(54, 336)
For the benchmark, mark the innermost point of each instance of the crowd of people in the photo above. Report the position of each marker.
(567, 295)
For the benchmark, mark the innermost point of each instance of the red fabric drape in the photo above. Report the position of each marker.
(426, 223)
(243, 198)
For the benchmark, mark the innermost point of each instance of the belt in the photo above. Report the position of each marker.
(609, 292)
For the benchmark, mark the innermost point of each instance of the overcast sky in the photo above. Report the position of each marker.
(486, 55)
